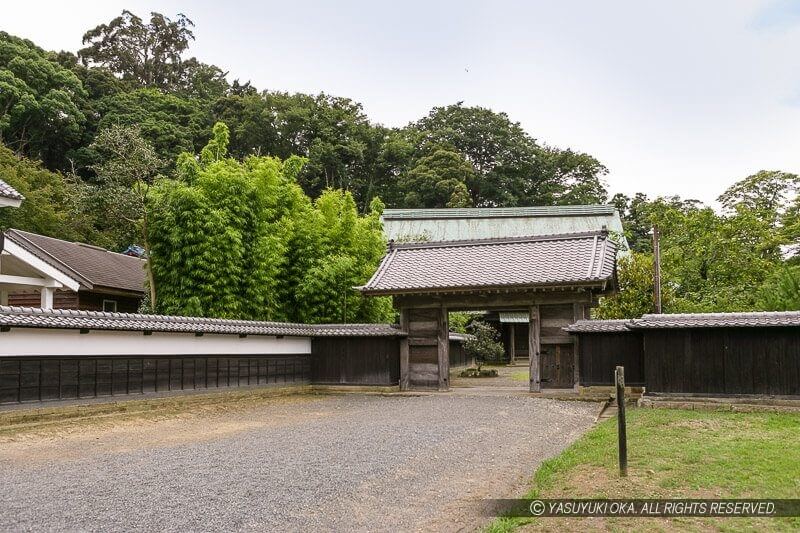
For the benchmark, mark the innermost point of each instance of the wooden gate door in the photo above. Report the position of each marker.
(557, 366)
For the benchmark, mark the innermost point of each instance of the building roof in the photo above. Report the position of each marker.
(514, 317)
(718, 320)
(499, 212)
(7, 191)
(26, 317)
(93, 267)
(598, 326)
(691, 320)
(426, 225)
(509, 263)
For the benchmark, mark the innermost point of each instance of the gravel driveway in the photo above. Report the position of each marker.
(352, 462)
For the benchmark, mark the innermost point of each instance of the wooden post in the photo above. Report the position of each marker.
(578, 313)
(404, 350)
(47, 297)
(619, 378)
(511, 343)
(444, 350)
(533, 349)
(656, 270)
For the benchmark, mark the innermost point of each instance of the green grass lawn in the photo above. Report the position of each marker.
(675, 454)
(520, 376)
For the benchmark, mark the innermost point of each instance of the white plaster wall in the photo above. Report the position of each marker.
(30, 341)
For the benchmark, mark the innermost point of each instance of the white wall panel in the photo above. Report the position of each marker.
(64, 342)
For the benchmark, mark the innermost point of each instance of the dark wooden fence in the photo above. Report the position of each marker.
(458, 356)
(730, 361)
(723, 361)
(600, 353)
(47, 378)
(355, 360)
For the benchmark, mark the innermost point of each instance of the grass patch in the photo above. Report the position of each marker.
(521, 376)
(675, 454)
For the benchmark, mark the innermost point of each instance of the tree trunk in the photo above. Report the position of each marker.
(148, 264)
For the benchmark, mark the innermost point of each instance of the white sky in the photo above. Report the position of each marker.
(678, 97)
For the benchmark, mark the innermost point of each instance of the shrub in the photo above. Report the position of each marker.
(483, 345)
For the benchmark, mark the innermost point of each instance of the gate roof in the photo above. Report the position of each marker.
(519, 263)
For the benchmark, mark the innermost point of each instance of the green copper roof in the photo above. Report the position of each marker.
(435, 225)
(500, 212)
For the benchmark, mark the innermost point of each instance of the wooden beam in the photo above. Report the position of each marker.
(534, 349)
(25, 281)
(404, 350)
(578, 313)
(491, 301)
(444, 350)
(555, 339)
(512, 349)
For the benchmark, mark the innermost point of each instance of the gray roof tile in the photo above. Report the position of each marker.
(7, 191)
(92, 266)
(26, 317)
(556, 260)
(598, 326)
(718, 320)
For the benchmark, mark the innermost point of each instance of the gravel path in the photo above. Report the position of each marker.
(353, 462)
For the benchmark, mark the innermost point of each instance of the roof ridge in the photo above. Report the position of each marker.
(30, 317)
(502, 212)
(17, 310)
(720, 314)
(500, 240)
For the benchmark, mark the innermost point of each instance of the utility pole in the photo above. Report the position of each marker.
(656, 270)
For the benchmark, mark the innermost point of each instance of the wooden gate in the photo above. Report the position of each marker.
(558, 366)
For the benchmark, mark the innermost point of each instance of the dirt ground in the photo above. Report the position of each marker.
(347, 462)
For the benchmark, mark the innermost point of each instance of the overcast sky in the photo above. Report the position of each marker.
(678, 97)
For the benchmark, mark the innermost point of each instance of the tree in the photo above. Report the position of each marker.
(636, 288)
(170, 123)
(501, 153)
(40, 103)
(570, 178)
(145, 54)
(347, 252)
(241, 240)
(483, 345)
(510, 168)
(768, 192)
(332, 133)
(52, 203)
(126, 171)
(438, 180)
(781, 291)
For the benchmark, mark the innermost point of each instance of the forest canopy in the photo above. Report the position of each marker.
(132, 140)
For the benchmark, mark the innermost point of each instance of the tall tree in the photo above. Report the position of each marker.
(126, 171)
(438, 180)
(148, 54)
(511, 169)
(40, 103)
(170, 123)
